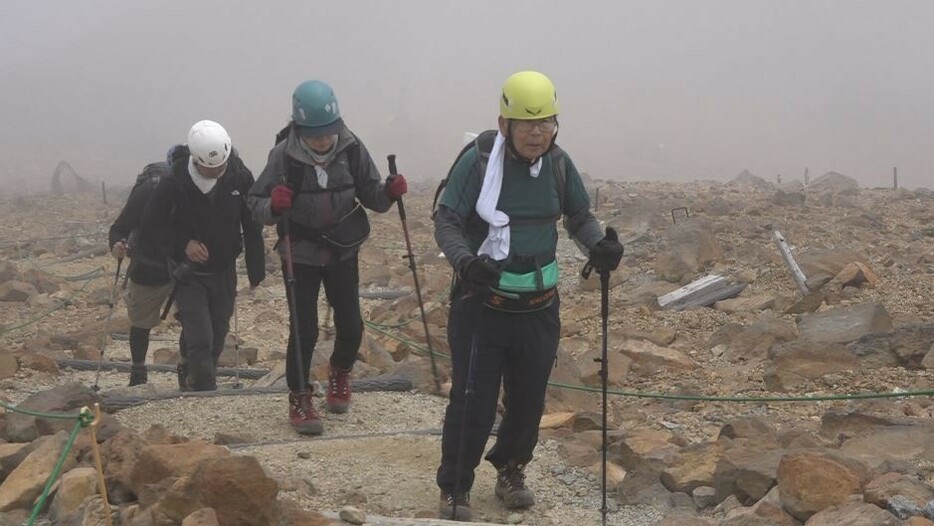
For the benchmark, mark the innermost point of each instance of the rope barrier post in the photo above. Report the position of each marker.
(101, 485)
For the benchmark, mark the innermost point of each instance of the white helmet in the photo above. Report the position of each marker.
(209, 144)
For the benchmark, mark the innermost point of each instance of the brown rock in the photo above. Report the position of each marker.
(809, 481)
(25, 483)
(44, 282)
(292, 514)
(751, 342)
(614, 473)
(884, 487)
(660, 336)
(618, 368)
(579, 453)
(855, 274)
(918, 521)
(694, 466)
(801, 361)
(157, 462)
(648, 358)
(12, 454)
(202, 517)
(853, 514)
(75, 486)
(828, 261)
(643, 445)
(118, 456)
(766, 512)
(747, 469)
(554, 420)
(375, 354)
(689, 246)
(68, 398)
(17, 291)
(746, 304)
(228, 357)
(235, 487)
(904, 346)
(845, 324)
(897, 443)
(749, 427)
(40, 362)
(87, 352)
(684, 519)
(567, 371)
(8, 364)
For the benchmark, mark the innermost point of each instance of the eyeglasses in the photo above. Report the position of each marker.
(547, 125)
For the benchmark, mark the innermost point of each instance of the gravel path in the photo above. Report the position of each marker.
(385, 475)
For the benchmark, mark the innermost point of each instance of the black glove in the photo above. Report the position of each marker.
(608, 252)
(481, 273)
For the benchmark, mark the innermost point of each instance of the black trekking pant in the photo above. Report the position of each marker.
(517, 349)
(341, 287)
(205, 304)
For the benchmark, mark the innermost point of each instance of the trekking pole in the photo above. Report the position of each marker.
(113, 302)
(293, 308)
(236, 345)
(418, 291)
(604, 370)
(468, 391)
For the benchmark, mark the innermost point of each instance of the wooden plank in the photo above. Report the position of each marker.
(796, 273)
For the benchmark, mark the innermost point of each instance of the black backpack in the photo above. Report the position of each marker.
(484, 145)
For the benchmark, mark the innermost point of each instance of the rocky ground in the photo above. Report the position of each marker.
(867, 325)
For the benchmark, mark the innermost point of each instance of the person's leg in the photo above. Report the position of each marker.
(302, 415)
(307, 287)
(527, 368)
(472, 329)
(223, 296)
(192, 302)
(341, 286)
(143, 309)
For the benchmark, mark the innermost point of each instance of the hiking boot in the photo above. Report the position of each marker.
(182, 371)
(338, 399)
(302, 414)
(446, 508)
(510, 487)
(138, 375)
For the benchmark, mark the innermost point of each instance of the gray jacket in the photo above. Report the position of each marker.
(312, 207)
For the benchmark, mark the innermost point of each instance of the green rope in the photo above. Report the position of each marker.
(700, 398)
(84, 419)
(40, 414)
(62, 304)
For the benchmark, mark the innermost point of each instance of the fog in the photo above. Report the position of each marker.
(651, 90)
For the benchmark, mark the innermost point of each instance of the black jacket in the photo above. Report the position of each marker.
(147, 260)
(178, 212)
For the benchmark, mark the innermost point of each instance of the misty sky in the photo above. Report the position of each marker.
(670, 90)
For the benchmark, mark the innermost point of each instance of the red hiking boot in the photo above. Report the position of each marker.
(302, 414)
(338, 399)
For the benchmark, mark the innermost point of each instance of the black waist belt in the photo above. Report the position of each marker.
(520, 301)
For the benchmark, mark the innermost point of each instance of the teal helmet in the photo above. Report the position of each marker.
(315, 110)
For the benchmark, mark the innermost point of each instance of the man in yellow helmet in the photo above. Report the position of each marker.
(496, 223)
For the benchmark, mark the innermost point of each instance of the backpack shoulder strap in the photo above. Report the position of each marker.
(483, 145)
(560, 168)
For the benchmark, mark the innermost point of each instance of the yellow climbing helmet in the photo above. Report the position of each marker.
(528, 95)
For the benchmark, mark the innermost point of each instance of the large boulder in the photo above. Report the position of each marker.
(689, 247)
(17, 291)
(236, 488)
(25, 483)
(834, 182)
(751, 343)
(904, 346)
(809, 481)
(854, 513)
(158, 462)
(74, 487)
(67, 398)
(845, 324)
(797, 362)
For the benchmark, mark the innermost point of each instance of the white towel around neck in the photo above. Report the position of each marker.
(496, 244)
